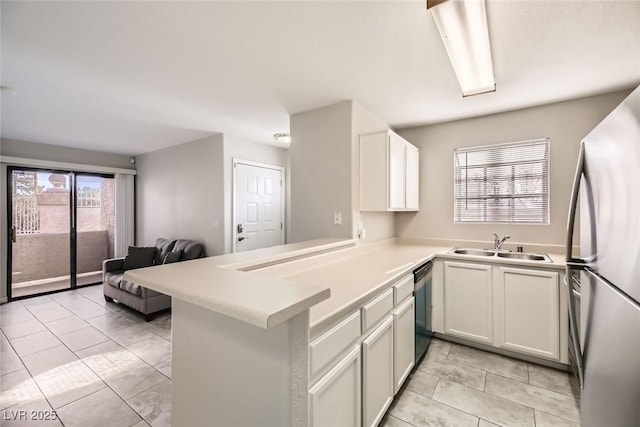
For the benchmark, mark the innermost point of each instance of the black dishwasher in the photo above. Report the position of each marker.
(422, 294)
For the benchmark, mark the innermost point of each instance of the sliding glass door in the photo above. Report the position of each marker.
(61, 229)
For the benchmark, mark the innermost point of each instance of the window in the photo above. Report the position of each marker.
(502, 183)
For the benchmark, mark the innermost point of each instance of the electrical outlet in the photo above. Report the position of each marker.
(337, 218)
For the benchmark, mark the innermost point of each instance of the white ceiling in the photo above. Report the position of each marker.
(132, 77)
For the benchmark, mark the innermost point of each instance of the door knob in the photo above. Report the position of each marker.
(240, 239)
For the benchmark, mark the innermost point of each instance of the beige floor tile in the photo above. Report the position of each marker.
(16, 315)
(164, 367)
(51, 358)
(551, 379)
(486, 406)
(22, 329)
(9, 362)
(61, 376)
(421, 382)
(391, 421)
(453, 371)
(53, 314)
(153, 350)
(89, 310)
(485, 423)
(534, 397)
(142, 423)
(490, 362)
(34, 343)
(128, 335)
(18, 388)
(83, 338)
(41, 304)
(439, 348)
(114, 411)
(154, 405)
(547, 420)
(422, 411)
(109, 321)
(66, 325)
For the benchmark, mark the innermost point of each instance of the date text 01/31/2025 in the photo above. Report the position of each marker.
(26, 415)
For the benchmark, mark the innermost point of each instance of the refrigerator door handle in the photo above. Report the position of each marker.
(575, 263)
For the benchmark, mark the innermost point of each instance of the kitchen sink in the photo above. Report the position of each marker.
(480, 252)
(501, 254)
(528, 257)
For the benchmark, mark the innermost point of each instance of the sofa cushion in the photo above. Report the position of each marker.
(190, 249)
(172, 257)
(137, 290)
(164, 246)
(139, 257)
(113, 278)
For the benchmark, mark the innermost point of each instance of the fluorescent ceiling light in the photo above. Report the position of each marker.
(463, 28)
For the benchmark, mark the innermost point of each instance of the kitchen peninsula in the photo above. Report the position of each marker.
(243, 324)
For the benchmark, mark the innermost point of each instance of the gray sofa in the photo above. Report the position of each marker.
(144, 300)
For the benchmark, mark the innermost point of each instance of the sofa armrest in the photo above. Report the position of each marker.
(113, 264)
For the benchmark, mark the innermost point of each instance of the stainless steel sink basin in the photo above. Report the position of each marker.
(528, 257)
(480, 252)
(501, 254)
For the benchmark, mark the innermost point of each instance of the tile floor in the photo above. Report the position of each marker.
(99, 364)
(455, 385)
(94, 363)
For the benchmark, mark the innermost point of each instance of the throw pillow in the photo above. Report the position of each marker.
(139, 257)
(172, 257)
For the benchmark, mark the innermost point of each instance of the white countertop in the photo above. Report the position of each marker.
(331, 277)
(216, 284)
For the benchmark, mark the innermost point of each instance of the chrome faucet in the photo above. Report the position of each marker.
(498, 241)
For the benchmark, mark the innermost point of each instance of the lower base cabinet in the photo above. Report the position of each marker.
(335, 399)
(377, 373)
(403, 342)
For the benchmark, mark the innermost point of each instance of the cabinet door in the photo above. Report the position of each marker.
(527, 311)
(396, 172)
(412, 178)
(403, 342)
(334, 400)
(468, 302)
(377, 373)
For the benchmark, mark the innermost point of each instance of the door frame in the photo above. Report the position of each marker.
(282, 170)
(73, 201)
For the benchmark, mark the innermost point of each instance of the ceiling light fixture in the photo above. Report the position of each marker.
(463, 27)
(283, 138)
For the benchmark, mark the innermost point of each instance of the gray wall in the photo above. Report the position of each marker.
(33, 150)
(320, 159)
(180, 192)
(566, 123)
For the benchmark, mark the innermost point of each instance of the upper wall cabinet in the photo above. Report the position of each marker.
(388, 173)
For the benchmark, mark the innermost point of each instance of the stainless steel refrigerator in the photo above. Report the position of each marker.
(604, 282)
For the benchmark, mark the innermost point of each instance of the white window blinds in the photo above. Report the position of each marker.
(502, 183)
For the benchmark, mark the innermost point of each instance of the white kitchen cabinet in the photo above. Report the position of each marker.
(527, 311)
(335, 399)
(468, 300)
(377, 373)
(412, 178)
(403, 342)
(389, 173)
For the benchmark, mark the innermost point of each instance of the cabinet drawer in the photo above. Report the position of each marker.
(330, 344)
(402, 289)
(376, 309)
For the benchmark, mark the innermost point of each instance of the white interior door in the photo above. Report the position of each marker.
(258, 210)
